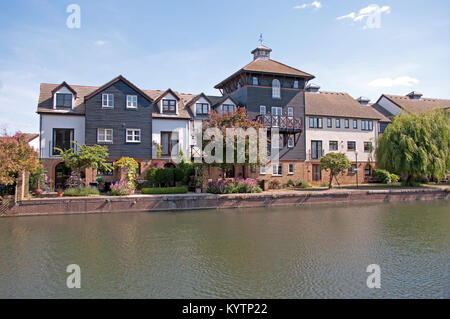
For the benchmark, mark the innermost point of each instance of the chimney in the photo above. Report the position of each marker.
(313, 88)
(363, 100)
(414, 95)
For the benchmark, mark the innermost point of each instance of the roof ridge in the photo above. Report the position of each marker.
(290, 67)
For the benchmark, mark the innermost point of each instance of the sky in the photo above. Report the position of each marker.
(364, 48)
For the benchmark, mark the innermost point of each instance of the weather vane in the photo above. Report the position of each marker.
(260, 39)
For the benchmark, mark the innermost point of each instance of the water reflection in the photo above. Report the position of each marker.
(294, 252)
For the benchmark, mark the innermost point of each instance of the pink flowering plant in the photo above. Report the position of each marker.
(122, 188)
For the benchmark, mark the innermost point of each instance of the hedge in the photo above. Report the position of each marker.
(165, 190)
(84, 191)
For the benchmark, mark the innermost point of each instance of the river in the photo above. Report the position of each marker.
(291, 252)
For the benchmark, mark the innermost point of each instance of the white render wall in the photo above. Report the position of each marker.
(179, 126)
(342, 135)
(49, 122)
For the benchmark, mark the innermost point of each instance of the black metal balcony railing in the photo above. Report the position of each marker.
(282, 122)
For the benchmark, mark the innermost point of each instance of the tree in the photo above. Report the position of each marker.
(131, 166)
(336, 163)
(16, 155)
(236, 120)
(416, 145)
(86, 157)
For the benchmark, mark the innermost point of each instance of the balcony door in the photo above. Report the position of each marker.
(277, 112)
(63, 139)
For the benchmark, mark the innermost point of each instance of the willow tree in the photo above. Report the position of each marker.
(416, 145)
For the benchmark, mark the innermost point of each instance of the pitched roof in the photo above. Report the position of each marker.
(269, 66)
(417, 105)
(216, 100)
(184, 111)
(45, 103)
(115, 80)
(338, 104)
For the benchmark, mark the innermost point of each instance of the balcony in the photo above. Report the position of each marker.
(287, 124)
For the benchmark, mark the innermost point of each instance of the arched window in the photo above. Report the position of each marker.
(276, 89)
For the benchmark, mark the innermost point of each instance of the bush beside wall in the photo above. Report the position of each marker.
(165, 190)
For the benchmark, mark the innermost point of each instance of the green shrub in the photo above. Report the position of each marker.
(178, 174)
(383, 175)
(304, 185)
(290, 183)
(257, 189)
(165, 190)
(151, 175)
(394, 178)
(164, 176)
(82, 191)
(323, 184)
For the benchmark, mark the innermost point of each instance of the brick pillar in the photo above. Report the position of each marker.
(22, 186)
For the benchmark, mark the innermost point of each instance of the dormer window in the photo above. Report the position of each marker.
(169, 106)
(202, 108)
(227, 109)
(63, 100)
(276, 89)
(108, 100)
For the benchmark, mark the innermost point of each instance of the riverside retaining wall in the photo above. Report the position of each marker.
(106, 204)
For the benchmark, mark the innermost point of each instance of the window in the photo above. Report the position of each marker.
(262, 170)
(63, 139)
(315, 122)
(227, 108)
(276, 113)
(316, 149)
(355, 124)
(316, 173)
(276, 89)
(351, 146)
(255, 81)
(367, 170)
(338, 123)
(333, 145)
(370, 125)
(329, 122)
(262, 110)
(107, 100)
(346, 123)
(133, 135)
(105, 135)
(63, 100)
(169, 106)
(295, 84)
(277, 169)
(202, 108)
(366, 125)
(169, 143)
(290, 112)
(101, 172)
(131, 101)
(352, 169)
(367, 147)
(291, 141)
(291, 169)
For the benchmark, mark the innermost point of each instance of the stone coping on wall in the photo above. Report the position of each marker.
(193, 201)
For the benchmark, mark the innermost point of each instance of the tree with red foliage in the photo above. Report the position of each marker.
(16, 155)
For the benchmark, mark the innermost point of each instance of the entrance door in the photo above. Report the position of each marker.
(316, 173)
(62, 174)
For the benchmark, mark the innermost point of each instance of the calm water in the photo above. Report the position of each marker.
(318, 252)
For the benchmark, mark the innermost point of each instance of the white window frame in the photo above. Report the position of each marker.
(105, 135)
(262, 170)
(290, 112)
(262, 110)
(276, 89)
(133, 135)
(278, 166)
(133, 99)
(291, 141)
(289, 169)
(107, 97)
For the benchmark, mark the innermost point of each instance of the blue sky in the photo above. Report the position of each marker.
(190, 46)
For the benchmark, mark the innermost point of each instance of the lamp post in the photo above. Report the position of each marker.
(356, 156)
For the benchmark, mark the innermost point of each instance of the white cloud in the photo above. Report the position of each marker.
(315, 4)
(100, 43)
(390, 82)
(366, 12)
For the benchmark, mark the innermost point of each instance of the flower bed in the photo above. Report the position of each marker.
(241, 186)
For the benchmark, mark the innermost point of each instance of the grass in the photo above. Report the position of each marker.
(165, 190)
(82, 191)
